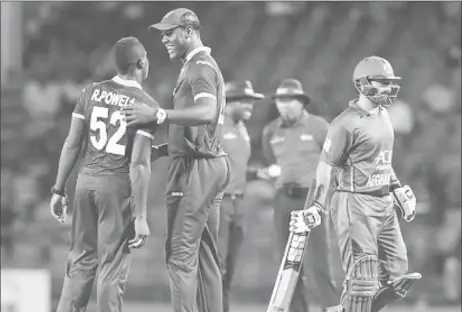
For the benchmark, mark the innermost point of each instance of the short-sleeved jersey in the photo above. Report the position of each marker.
(199, 77)
(360, 145)
(236, 144)
(109, 142)
(295, 148)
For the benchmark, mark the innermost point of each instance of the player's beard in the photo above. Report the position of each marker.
(146, 72)
(385, 97)
(384, 100)
(176, 50)
(290, 116)
(171, 50)
(245, 111)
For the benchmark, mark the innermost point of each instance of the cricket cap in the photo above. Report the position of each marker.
(176, 18)
(241, 90)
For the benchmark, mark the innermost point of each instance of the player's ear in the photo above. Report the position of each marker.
(140, 64)
(189, 31)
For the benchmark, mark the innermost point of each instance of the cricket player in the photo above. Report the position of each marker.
(359, 145)
(240, 98)
(112, 185)
(292, 145)
(199, 168)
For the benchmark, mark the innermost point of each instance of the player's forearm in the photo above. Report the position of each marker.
(139, 177)
(67, 161)
(193, 116)
(323, 181)
(394, 181)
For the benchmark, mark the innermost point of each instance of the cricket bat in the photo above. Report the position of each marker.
(290, 267)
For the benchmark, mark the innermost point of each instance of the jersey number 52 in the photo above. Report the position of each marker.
(99, 116)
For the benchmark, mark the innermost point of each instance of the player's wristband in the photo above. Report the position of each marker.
(395, 184)
(58, 192)
(320, 207)
(161, 115)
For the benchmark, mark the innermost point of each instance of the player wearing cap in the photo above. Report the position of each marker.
(240, 98)
(111, 193)
(199, 169)
(359, 145)
(292, 144)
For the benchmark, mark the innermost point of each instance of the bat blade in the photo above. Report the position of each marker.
(288, 273)
(290, 267)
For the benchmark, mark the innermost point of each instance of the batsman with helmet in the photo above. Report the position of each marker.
(359, 148)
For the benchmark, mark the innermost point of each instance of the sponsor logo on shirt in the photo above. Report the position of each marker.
(382, 170)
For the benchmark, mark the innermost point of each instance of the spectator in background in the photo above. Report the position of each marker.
(401, 117)
(449, 173)
(42, 100)
(8, 214)
(41, 96)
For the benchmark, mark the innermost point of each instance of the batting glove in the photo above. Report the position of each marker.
(406, 202)
(302, 221)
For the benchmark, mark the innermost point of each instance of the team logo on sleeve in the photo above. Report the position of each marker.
(327, 145)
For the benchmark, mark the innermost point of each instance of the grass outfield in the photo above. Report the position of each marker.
(151, 307)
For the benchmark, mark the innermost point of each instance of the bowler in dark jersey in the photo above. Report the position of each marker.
(359, 145)
(199, 170)
(109, 212)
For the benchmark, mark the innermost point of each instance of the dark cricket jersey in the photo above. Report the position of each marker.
(295, 148)
(236, 144)
(200, 77)
(109, 142)
(360, 145)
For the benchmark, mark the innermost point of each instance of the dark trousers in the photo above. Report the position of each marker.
(317, 255)
(102, 224)
(230, 239)
(194, 194)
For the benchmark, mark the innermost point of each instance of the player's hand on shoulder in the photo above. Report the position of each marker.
(140, 114)
(141, 233)
(406, 201)
(58, 207)
(302, 221)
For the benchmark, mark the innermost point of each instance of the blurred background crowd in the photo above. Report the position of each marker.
(50, 50)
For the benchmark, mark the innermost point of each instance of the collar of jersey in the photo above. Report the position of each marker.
(197, 50)
(362, 112)
(127, 83)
